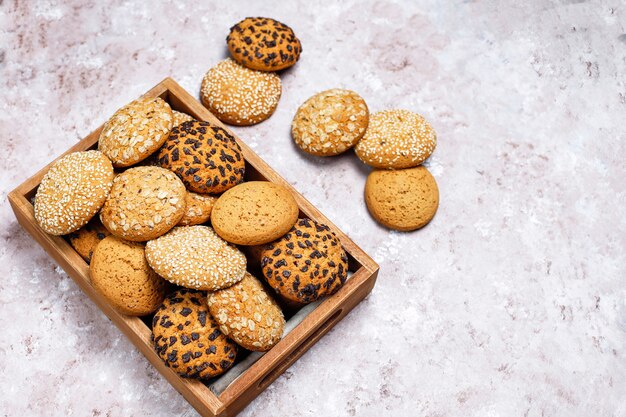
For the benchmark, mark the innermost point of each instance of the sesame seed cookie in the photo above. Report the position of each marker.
(196, 257)
(85, 239)
(187, 338)
(136, 131)
(263, 44)
(305, 264)
(72, 191)
(402, 200)
(119, 271)
(330, 122)
(144, 203)
(180, 118)
(198, 209)
(247, 314)
(238, 95)
(206, 157)
(396, 139)
(254, 213)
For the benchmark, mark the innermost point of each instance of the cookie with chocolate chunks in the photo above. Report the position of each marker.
(263, 44)
(205, 157)
(305, 264)
(187, 338)
(85, 239)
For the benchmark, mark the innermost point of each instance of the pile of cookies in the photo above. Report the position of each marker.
(245, 89)
(400, 194)
(163, 216)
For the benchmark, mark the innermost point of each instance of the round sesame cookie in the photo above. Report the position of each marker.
(402, 200)
(187, 338)
(198, 209)
(195, 257)
(136, 131)
(254, 213)
(396, 139)
(85, 239)
(206, 157)
(72, 191)
(180, 118)
(144, 203)
(119, 271)
(330, 122)
(238, 95)
(247, 314)
(263, 44)
(306, 264)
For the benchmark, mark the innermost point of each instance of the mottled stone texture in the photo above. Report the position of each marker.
(510, 303)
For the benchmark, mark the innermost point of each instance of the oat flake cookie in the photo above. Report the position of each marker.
(180, 118)
(198, 209)
(72, 191)
(196, 257)
(187, 338)
(396, 139)
(330, 122)
(238, 95)
(144, 203)
(136, 131)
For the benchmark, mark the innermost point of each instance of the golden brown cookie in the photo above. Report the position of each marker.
(330, 122)
(402, 200)
(136, 131)
(180, 118)
(238, 95)
(144, 203)
(187, 338)
(254, 213)
(119, 271)
(263, 44)
(197, 209)
(195, 257)
(206, 157)
(306, 264)
(72, 191)
(247, 314)
(396, 139)
(85, 239)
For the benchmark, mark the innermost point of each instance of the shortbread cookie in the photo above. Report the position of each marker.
(136, 131)
(254, 212)
(306, 264)
(187, 338)
(206, 157)
(396, 139)
(402, 200)
(85, 239)
(238, 95)
(263, 44)
(180, 118)
(197, 209)
(72, 191)
(195, 257)
(330, 122)
(119, 271)
(247, 314)
(144, 203)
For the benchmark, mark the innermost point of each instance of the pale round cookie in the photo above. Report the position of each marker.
(396, 139)
(263, 44)
(180, 118)
(85, 239)
(402, 200)
(144, 203)
(238, 95)
(188, 340)
(247, 314)
(136, 131)
(195, 257)
(72, 191)
(120, 273)
(197, 209)
(330, 122)
(254, 213)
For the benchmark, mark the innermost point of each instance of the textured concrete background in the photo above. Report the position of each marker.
(510, 303)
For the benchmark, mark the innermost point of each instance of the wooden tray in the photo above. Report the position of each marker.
(263, 372)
